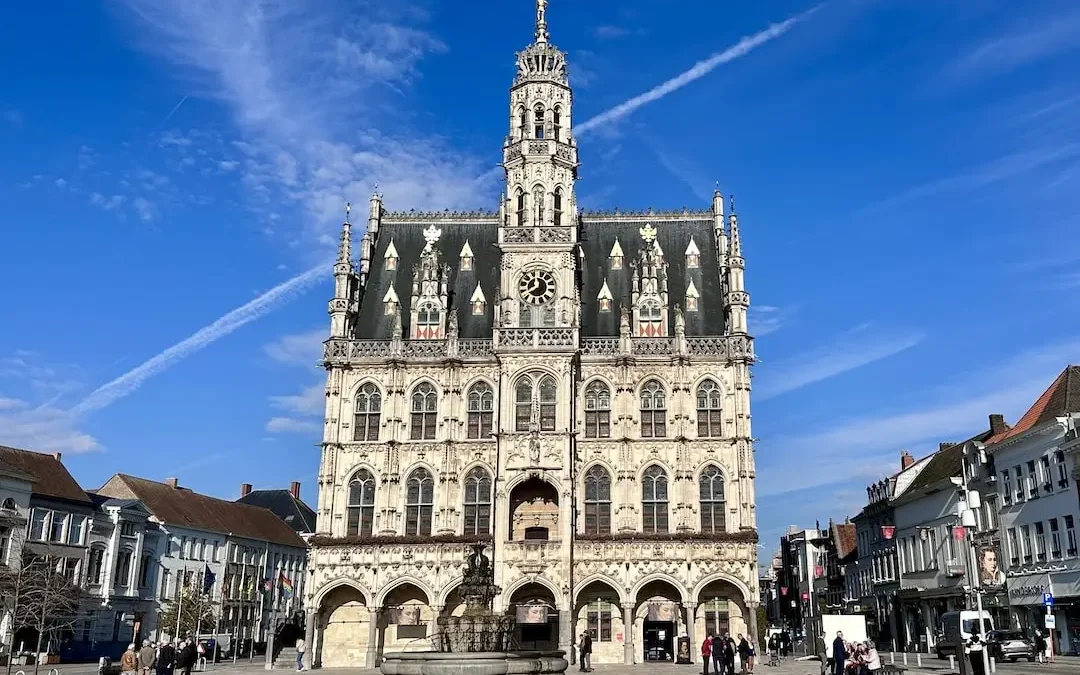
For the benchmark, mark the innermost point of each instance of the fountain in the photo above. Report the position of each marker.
(478, 642)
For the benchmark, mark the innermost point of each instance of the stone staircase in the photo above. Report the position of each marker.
(286, 659)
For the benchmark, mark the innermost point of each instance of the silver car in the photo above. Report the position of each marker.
(1009, 644)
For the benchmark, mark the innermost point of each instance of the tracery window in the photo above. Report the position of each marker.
(538, 204)
(556, 127)
(557, 206)
(597, 410)
(653, 410)
(424, 408)
(419, 498)
(523, 122)
(481, 403)
(542, 389)
(368, 411)
(477, 502)
(711, 498)
(538, 121)
(654, 500)
(520, 208)
(361, 507)
(597, 501)
(709, 398)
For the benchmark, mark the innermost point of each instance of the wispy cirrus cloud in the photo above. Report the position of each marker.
(696, 72)
(1026, 44)
(866, 447)
(298, 349)
(31, 416)
(766, 319)
(845, 352)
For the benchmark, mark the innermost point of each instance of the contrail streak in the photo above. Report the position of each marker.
(108, 393)
(173, 111)
(699, 70)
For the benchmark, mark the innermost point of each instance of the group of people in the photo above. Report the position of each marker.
(779, 645)
(160, 659)
(854, 658)
(721, 651)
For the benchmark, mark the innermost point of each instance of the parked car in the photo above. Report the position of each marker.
(1010, 644)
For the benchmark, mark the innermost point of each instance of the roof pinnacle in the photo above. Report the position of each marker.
(541, 22)
(345, 246)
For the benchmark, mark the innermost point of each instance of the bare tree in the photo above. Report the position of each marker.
(198, 614)
(40, 594)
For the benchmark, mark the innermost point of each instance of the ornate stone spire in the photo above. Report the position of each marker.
(736, 241)
(344, 256)
(541, 22)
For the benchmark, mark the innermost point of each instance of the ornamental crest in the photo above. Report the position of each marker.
(431, 235)
(648, 233)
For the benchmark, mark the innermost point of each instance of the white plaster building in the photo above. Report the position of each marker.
(1039, 510)
(572, 388)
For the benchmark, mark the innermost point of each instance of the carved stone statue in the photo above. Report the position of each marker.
(624, 321)
(680, 322)
(534, 448)
(452, 325)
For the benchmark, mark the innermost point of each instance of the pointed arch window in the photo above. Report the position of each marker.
(653, 410)
(597, 501)
(424, 407)
(481, 410)
(597, 410)
(654, 500)
(419, 498)
(477, 502)
(557, 206)
(538, 121)
(523, 403)
(361, 507)
(556, 123)
(548, 397)
(521, 207)
(538, 204)
(711, 498)
(708, 409)
(523, 122)
(543, 390)
(368, 411)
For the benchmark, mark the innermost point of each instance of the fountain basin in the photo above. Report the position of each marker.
(475, 663)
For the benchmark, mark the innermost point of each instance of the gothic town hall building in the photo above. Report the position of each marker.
(571, 388)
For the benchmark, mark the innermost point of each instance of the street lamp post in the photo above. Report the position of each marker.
(967, 519)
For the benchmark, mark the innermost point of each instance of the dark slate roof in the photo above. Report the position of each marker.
(182, 507)
(1061, 398)
(408, 238)
(597, 235)
(946, 463)
(51, 478)
(296, 514)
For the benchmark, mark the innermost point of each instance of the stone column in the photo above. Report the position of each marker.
(691, 611)
(751, 624)
(628, 632)
(375, 614)
(309, 638)
(566, 632)
(433, 624)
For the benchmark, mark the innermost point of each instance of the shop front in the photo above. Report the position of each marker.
(1027, 593)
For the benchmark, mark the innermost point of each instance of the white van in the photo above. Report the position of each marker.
(961, 625)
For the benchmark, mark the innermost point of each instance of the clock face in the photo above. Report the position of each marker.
(537, 287)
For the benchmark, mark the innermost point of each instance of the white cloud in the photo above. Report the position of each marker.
(60, 183)
(293, 426)
(609, 32)
(228, 165)
(311, 401)
(298, 349)
(1056, 33)
(32, 418)
(145, 208)
(845, 352)
(111, 203)
(766, 319)
(699, 70)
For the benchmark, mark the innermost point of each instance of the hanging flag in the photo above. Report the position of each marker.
(286, 586)
(208, 579)
(268, 585)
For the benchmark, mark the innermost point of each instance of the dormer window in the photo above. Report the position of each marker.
(605, 305)
(616, 256)
(692, 297)
(557, 206)
(391, 257)
(428, 322)
(478, 301)
(538, 122)
(604, 298)
(693, 255)
(555, 124)
(391, 302)
(465, 258)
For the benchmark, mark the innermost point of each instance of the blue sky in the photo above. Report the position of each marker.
(906, 173)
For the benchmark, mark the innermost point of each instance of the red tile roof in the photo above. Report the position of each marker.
(180, 506)
(1061, 398)
(51, 477)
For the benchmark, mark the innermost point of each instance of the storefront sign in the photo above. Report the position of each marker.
(1029, 589)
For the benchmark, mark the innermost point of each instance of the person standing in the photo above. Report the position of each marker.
(1040, 646)
(729, 656)
(188, 656)
(839, 654)
(166, 659)
(873, 661)
(744, 653)
(301, 647)
(718, 645)
(585, 652)
(706, 653)
(129, 662)
(146, 657)
(785, 643)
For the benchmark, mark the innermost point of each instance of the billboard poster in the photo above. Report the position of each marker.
(532, 614)
(405, 615)
(990, 573)
(662, 611)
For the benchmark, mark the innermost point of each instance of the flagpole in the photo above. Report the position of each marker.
(239, 609)
(180, 604)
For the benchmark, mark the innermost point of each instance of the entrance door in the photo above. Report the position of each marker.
(659, 639)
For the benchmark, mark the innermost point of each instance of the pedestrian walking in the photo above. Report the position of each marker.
(129, 662)
(301, 647)
(744, 653)
(166, 659)
(706, 653)
(146, 657)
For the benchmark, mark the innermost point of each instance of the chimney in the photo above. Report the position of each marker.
(294, 489)
(945, 444)
(245, 489)
(997, 424)
(58, 456)
(906, 460)
(172, 482)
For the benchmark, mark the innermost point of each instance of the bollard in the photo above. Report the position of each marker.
(918, 660)
(952, 662)
(54, 671)
(892, 658)
(905, 658)
(993, 665)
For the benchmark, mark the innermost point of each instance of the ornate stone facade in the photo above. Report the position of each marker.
(571, 389)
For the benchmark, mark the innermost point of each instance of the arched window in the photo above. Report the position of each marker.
(708, 409)
(538, 204)
(428, 315)
(368, 410)
(424, 406)
(481, 410)
(122, 573)
(650, 311)
(520, 208)
(653, 410)
(597, 501)
(523, 122)
(557, 206)
(711, 496)
(97, 564)
(9, 505)
(654, 500)
(597, 410)
(146, 565)
(547, 403)
(556, 119)
(361, 510)
(477, 502)
(538, 121)
(523, 400)
(419, 496)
